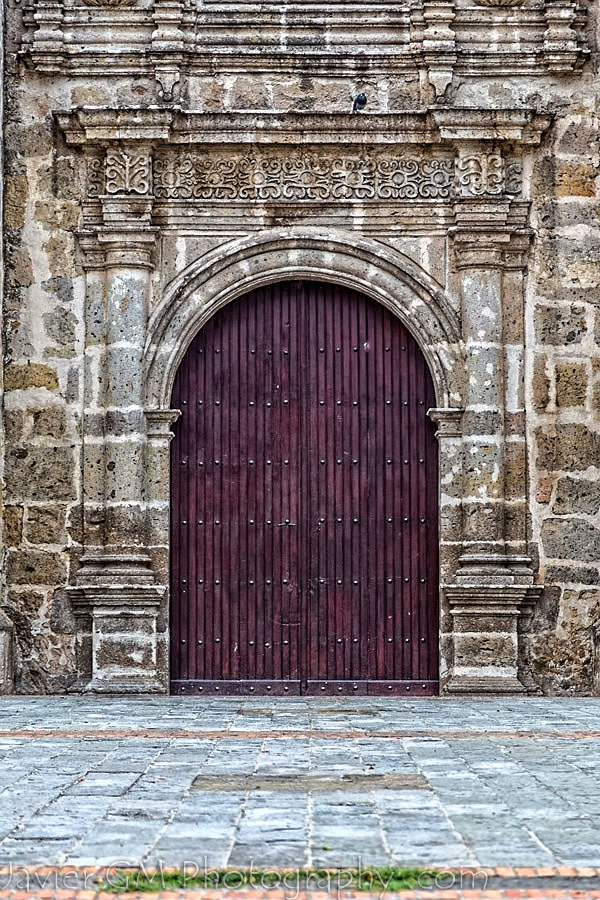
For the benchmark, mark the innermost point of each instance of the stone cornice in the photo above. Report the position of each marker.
(158, 125)
(435, 37)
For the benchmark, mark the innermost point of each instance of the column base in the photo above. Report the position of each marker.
(116, 605)
(487, 600)
(469, 685)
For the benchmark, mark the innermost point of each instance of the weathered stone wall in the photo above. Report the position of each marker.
(554, 444)
(563, 388)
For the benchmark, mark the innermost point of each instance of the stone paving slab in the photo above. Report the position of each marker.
(87, 780)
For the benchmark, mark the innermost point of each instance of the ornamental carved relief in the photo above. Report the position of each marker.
(479, 174)
(497, 2)
(127, 173)
(95, 176)
(110, 3)
(301, 176)
(298, 177)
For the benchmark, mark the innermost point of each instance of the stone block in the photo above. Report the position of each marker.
(481, 470)
(571, 539)
(571, 384)
(30, 375)
(483, 522)
(36, 567)
(558, 325)
(490, 649)
(544, 488)
(576, 179)
(46, 524)
(49, 421)
(577, 495)
(515, 524)
(14, 425)
(125, 653)
(12, 521)
(61, 324)
(25, 608)
(572, 575)
(250, 93)
(570, 446)
(515, 469)
(540, 382)
(16, 192)
(477, 623)
(40, 473)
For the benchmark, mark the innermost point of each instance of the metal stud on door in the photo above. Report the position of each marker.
(304, 501)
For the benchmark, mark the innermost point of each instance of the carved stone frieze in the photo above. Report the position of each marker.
(497, 2)
(110, 3)
(301, 176)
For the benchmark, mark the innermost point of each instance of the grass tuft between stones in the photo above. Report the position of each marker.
(371, 878)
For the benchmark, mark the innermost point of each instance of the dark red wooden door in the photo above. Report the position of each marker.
(304, 552)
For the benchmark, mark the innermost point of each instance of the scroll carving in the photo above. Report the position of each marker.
(127, 173)
(479, 174)
(95, 176)
(301, 177)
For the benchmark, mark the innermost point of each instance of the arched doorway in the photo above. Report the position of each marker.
(304, 526)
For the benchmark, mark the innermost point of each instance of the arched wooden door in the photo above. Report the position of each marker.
(304, 551)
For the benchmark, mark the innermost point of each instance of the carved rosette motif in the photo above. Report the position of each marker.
(298, 177)
(127, 173)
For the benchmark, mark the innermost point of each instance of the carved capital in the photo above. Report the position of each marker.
(159, 423)
(128, 246)
(92, 251)
(448, 421)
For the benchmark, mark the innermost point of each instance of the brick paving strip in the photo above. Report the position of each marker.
(554, 883)
(177, 733)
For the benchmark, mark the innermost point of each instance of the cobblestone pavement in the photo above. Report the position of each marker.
(96, 781)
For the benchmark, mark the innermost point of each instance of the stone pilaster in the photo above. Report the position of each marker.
(493, 585)
(117, 597)
(449, 436)
(7, 655)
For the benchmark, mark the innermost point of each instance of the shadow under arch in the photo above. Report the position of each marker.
(369, 266)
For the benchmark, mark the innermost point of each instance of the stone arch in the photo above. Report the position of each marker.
(366, 265)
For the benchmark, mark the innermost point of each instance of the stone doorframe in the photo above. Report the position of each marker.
(472, 334)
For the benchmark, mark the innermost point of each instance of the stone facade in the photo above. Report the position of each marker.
(165, 156)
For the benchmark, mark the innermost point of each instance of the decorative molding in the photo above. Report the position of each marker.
(127, 172)
(171, 39)
(91, 125)
(301, 176)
